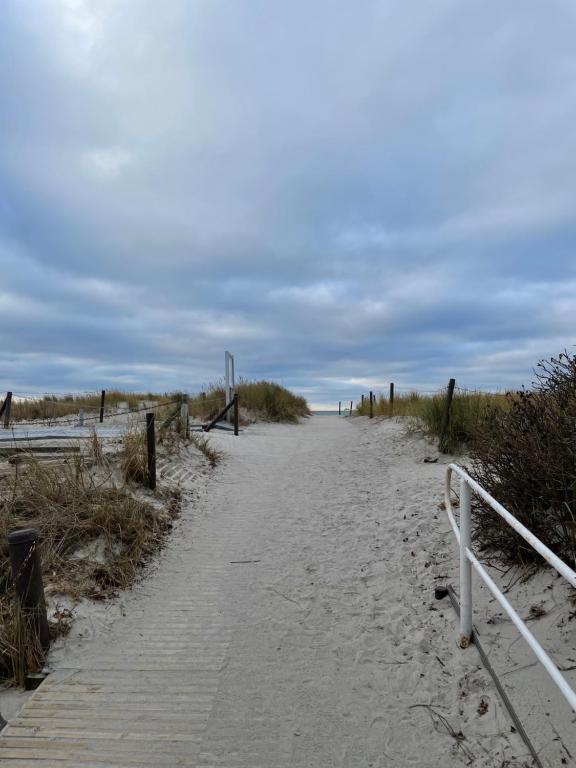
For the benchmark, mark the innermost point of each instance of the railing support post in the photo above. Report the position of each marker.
(151, 450)
(465, 566)
(236, 415)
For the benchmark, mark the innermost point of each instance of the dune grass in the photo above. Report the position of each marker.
(469, 411)
(259, 400)
(263, 400)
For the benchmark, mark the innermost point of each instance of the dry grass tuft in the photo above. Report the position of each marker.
(134, 460)
(203, 444)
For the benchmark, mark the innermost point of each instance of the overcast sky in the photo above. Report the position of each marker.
(341, 193)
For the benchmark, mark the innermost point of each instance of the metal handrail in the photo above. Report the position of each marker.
(469, 559)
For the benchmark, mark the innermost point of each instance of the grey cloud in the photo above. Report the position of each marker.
(340, 192)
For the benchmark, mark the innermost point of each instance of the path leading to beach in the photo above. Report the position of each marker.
(290, 622)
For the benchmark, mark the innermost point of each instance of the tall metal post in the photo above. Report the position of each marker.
(185, 417)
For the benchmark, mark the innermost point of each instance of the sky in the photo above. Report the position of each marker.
(342, 194)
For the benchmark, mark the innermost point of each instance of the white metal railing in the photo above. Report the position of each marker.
(468, 559)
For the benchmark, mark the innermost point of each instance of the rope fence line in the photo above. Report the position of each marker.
(55, 400)
(94, 418)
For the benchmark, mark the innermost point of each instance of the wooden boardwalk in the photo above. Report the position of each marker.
(143, 702)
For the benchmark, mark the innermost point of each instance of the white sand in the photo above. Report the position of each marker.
(336, 639)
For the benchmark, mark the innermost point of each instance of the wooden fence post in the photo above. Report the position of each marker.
(446, 415)
(27, 577)
(236, 416)
(391, 398)
(371, 405)
(339, 407)
(102, 401)
(351, 406)
(7, 409)
(151, 450)
(362, 401)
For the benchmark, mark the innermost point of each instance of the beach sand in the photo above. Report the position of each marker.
(328, 539)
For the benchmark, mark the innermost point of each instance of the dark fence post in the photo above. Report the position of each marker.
(391, 398)
(371, 405)
(362, 401)
(446, 414)
(236, 416)
(102, 401)
(339, 407)
(351, 405)
(151, 450)
(27, 576)
(7, 409)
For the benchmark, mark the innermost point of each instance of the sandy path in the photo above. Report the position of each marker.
(291, 622)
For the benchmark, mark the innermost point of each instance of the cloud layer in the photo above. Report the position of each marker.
(343, 194)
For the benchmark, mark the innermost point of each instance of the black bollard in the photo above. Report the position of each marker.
(27, 576)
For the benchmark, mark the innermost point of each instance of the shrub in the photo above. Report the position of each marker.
(525, 456)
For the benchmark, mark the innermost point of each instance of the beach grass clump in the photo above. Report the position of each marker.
(525, 457)
(259, 400)
(203, 444)
(134, 457)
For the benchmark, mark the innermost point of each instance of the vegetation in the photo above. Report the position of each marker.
(525, 456)
(259, 400)
(469, 412)
(522, 447)
(263, 400)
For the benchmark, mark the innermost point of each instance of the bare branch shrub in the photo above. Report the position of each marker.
(525, 456)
